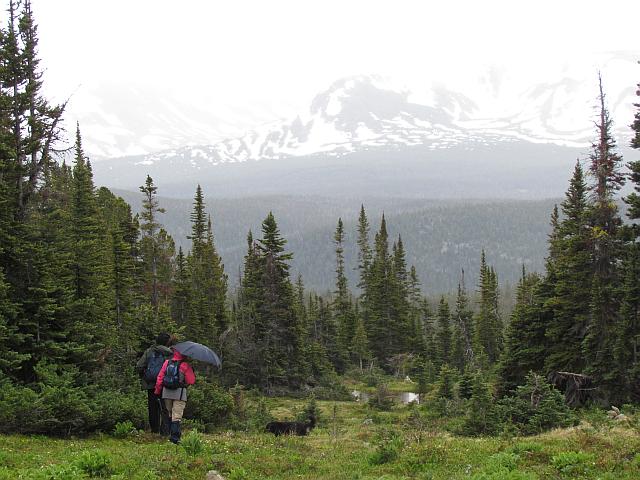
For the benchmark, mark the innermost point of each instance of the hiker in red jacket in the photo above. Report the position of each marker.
(174, 377)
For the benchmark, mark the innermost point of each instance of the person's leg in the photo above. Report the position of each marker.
(165, 418)
(154, 411)
(176, 419)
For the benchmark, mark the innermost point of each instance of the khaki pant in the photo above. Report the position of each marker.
(175, 408)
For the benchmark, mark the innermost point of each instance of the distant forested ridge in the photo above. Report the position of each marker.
(441, 236)
(86, 283)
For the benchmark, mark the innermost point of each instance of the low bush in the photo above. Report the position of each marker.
(192, 443)
(573, 464)
(124, 429)
(56, 405)
(381, 399)
(258, 415)
(209, 403)
(95, 463)
(536, 407)
(388, 448)
(238, 473)
(310, 411)
(482, 417)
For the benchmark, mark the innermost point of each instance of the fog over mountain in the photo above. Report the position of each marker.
(364, 135)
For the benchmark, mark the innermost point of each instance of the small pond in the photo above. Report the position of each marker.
(401, 397)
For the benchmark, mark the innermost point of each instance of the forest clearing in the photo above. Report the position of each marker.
(358, 443)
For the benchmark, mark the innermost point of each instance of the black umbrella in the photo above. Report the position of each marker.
(197, 351)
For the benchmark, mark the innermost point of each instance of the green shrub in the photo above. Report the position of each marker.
(389, 446)
(55, 405)
(209, 403)
(124, 429)
(482, 417)
(536, 407)
(446, 380)
(193, 443)
(526, 447)
(259, 415)
(381, 399)
(310, 411)
(95, 463)
(573, 463)
(331, 387)
(111, 407)
(238, 473)
(465, 386)
(503, 461)
(597, 418)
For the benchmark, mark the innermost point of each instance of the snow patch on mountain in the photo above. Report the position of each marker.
(368, 112)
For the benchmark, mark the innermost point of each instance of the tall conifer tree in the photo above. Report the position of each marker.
(573, 273)
(607, 181)
(488, 332)
(627, 347)
(208, 282)
(342, 306)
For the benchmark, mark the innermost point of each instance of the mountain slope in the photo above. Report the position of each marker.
(440, 237)
(364, 136)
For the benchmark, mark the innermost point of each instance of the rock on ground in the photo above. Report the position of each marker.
(213, 475)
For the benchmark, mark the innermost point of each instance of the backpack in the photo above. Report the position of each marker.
(172, 374)
(154, 365)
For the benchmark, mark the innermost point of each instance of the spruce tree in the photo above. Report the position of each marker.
(249, 338)
(524, 337)
(380, 330)
(364, 268)
(430, 353)
(360, 344)
(181, 292)
(89, 253)
(627, 348)
(488, 332)
(482, 417)
(443, 335)
(35, 124)
(607, 180)
(400, 308)
(282, 349)
(150, 243)
(207, 316)
(123, 281)
(463, 329)
(416, 341)
(342, 307)
(573, 274)
(364, 249)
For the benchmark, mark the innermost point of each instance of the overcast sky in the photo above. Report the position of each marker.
(269, 58)
(281, 49)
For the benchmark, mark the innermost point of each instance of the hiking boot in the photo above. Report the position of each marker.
(175, 433)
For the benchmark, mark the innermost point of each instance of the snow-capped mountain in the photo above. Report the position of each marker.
(365, 112)
(367, 117)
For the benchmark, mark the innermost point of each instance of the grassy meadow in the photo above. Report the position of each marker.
(351, 442)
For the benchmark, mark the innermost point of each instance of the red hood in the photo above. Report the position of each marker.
(177, 355)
